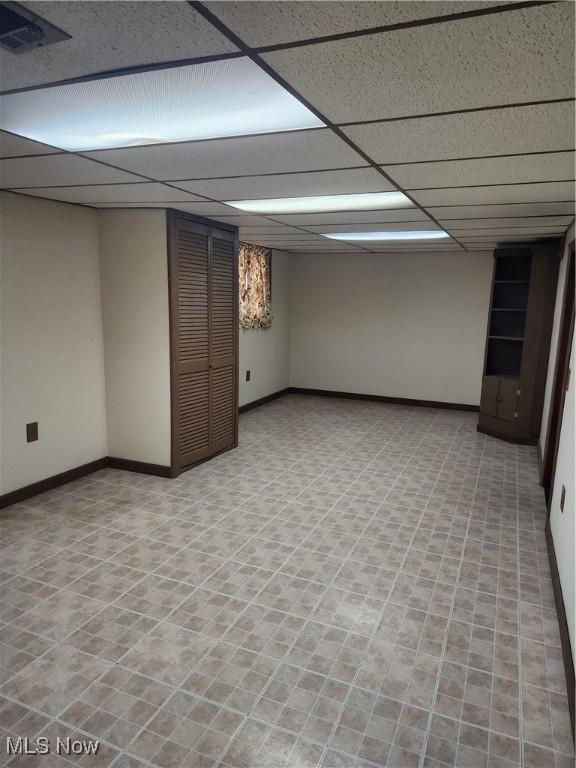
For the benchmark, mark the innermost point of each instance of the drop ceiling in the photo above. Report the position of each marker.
(466, 107)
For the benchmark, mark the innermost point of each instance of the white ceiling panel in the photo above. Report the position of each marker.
(114, 193)
(17, 146)
(495, 211)
(417, 248)
(415, 226)
(198, 208)
(536, 221)
(109, 36)
(539, 128)
(291, 185)
(55, 170)
(353, 217)
(482, 233)
(286, 233)
(269, 229)
(328, 247)
(268, 153)
(515, 193)
(500, 170)
(521, 238)
(237, 221)
(268, 23)
(525, 55)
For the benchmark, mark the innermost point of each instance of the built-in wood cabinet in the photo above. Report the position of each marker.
(203, 279)
(518, 341)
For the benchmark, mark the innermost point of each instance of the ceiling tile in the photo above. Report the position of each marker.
(268, 153)
(16, 146)
(353, 217)
(54, 170)
(268, 23)
(320, 247)
(237, 221)
(539, 128)
(536, 221)
(505, 209)
(414, 226)
(198, 208)
(109, 36)
(525, 55)
(114, 193)
(291, 185)
(523, 238)
(294, 234)
(482, 233)
(417, 248)
(269, 229)
(501, 170)
(515, 193)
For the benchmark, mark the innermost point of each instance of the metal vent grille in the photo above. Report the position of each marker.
(21, 30)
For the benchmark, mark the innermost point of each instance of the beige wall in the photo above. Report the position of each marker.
(136, 334)
(266, 353)
(409, 325)
(563, 523)
(51, 339)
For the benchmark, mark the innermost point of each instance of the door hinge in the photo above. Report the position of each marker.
(562, 498)
(568, 378)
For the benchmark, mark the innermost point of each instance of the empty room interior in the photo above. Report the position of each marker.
(287, 413)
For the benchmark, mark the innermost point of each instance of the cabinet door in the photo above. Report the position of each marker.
(508, 399)
(223, 342)
(490, 394)
(189, 276)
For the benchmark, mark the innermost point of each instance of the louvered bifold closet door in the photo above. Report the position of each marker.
(223, 341)
(190, 299)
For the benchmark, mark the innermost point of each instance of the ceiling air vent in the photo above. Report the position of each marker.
(21, 30)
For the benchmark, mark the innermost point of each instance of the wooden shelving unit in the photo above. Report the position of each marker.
(517, 341)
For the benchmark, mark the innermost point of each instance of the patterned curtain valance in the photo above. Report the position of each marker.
(254, 274)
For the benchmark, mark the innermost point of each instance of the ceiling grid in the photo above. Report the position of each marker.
(483, 149)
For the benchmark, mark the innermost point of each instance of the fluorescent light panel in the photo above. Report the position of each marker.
(366, 201)
(381, 236)
(202, 101)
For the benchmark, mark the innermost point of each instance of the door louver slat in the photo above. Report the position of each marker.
(204, 318)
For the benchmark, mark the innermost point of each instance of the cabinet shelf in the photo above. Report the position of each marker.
(519, 324)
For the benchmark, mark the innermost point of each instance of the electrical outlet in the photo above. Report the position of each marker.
(32, 432)
(248, 375)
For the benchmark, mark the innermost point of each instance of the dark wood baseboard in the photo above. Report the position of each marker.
(263, 400)
(49, 483)
(507, 438)
(384, 399)
(562, 621)
(143, 467)
(160, 470)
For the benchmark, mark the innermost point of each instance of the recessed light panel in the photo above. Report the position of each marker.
(422, 235)
(222, 98)
(369, 201)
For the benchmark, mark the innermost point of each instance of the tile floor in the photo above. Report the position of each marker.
(356, 585)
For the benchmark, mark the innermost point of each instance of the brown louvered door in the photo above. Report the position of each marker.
(223, 335)
(203, 319)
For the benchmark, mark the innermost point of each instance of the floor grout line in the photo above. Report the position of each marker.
(389, 453)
